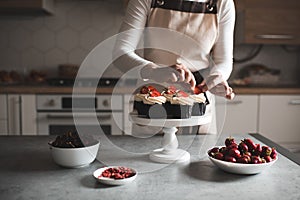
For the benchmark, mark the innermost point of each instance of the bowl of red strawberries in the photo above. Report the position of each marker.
(245, 157)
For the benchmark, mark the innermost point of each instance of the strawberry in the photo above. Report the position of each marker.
(154, 93)
(197, 90)
(151, 88)
(182, 94)
(171, 90)
(144, 90)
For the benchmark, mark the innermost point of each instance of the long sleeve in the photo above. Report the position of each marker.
(130, 34)
(222, 53)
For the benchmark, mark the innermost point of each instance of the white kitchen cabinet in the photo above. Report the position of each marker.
(28, 115)
(21, 114)
(238, 116)
(279, 118)
(128, 105)
(3, 114)
(13, 114)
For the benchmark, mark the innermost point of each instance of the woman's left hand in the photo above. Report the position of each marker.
(222, 89)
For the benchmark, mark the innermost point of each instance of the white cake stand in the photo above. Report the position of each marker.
(169, 153)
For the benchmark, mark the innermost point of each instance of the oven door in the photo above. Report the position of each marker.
(57, 123)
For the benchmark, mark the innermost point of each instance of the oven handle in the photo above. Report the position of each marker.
(78, 115)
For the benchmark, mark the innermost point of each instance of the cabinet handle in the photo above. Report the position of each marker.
(83, 116)
(275, 37)
(294, 102)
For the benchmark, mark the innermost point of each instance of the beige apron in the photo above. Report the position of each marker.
(196, 22)
(193, 31)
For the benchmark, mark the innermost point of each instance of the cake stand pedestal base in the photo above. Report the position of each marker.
(169, 153)
(178, 156)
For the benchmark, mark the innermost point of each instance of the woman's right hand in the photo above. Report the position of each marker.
(175, 73)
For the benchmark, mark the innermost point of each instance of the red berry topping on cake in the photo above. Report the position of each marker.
(182, 94)
(171, 90)
(154, 93)
(151, 88)
(144, 90)
(197, 90)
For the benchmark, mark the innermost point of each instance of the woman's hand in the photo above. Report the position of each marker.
(222, 89)
(174, 73)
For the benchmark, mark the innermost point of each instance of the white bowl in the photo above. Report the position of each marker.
(74, 157)
(111, 181)
(241, 168)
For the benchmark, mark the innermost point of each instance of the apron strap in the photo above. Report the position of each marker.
(209, 7)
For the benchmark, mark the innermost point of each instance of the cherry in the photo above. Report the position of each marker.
(257, 151)
(213, 151)
(234, 152)
(233, 146)
(224, 150)
(243, 159)
(247, 153)
(251, 145)
(266, 151)
(274, 153)
(268, 159)
(244, 152)
(247, 157)
(243, 147)
(230, 159)
(219, 156)
(256, 160)
(229, 141)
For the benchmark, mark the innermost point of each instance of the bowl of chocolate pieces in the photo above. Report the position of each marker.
(71, 151)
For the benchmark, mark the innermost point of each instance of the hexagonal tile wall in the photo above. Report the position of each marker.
(77, 55)
(20, 38)
(54, 57)
(43, 39)
(32, 59)
(67, 39)
(90, 38)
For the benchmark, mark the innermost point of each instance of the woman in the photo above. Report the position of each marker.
(199, 42)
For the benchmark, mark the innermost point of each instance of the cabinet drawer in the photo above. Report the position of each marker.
(3, 127)
(274, 26)
(270, 4)
(279, 117)
(238, 116)
(3, 106)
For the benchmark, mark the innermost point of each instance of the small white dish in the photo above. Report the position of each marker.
(241, 168)
(111, 181)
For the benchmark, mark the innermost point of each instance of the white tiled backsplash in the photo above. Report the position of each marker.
(77, 26)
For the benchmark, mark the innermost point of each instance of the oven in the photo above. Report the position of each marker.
(58, 114)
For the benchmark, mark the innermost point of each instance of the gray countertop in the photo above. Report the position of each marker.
(28, 172)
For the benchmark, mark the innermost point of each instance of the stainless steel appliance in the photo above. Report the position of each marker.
(57, 114)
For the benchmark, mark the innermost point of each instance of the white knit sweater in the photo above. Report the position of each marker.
(221, 54)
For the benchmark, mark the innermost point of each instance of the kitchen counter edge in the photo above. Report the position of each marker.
(129, 90)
